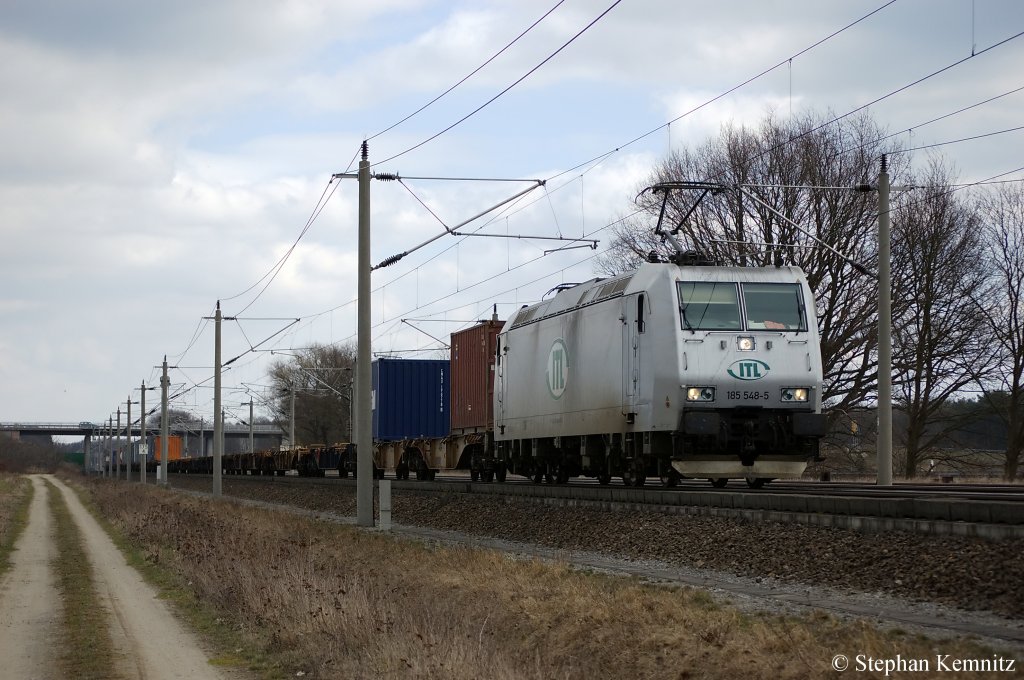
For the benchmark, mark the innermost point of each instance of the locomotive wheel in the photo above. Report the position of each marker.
(670, 479)
(474, 475)
(538, 477)
(561, 475)
(634, 478)
(487, 476)
(757, 482)
(500, 474)
(549, 478)
(719, 482)
(604, 479)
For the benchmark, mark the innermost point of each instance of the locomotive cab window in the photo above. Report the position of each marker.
(708, 306)
(774, 306)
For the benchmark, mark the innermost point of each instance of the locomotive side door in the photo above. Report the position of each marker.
(499, 385)
(632, 326)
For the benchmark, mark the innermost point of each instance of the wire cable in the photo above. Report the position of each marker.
(470, 75)
(958, 141)
(727, 92)
(495, 97)
(597, 160)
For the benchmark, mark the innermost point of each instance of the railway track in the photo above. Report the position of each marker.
(966, 510)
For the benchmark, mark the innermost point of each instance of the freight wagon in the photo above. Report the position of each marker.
(443, 418)
(428, 415)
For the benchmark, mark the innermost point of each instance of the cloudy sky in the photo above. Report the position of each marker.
(158, 156)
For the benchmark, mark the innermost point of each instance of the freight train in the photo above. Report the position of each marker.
(678, 369)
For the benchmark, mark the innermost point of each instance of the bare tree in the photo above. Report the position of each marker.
(1003, 211)
(939, 342)
(174, 415)
(320, 377)
(777, 161)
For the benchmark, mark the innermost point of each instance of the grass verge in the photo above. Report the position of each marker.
(86, 649)
(328, 601)
(15, 498)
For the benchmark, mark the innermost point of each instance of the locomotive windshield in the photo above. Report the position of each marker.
(709, 306)
(774, 306)
(715, 306)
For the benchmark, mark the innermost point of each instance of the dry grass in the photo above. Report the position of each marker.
(334, 602)
(15, 498)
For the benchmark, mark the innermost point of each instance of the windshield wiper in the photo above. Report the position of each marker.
(686, 322)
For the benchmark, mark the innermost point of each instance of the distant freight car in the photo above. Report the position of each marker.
(174, 448)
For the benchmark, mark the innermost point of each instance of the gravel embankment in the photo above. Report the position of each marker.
(968, 573)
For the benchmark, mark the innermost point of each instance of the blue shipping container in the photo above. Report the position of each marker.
(410, 398)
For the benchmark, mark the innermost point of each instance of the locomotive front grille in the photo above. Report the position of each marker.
(748, 434)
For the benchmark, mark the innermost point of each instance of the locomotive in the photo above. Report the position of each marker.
(674, 371)
(681, 368)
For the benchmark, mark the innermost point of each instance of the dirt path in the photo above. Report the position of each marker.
(29, 607)
(151, 644)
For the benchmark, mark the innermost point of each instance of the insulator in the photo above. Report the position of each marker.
(390, 260)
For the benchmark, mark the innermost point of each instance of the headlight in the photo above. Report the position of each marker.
(700, 394)
(795, 393)
(745, 344)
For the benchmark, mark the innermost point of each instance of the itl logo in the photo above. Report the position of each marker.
(557, 374)
(749, 369)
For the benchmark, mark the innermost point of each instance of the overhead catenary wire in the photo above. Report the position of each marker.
(495, 97)
(901, 89)
(951, 114)
(596, 160)
(725, 93)
(395, 258)
(879, 99)
(276, 269)
(600, 158)
(469, 75)
(959, 140)
(441, 298)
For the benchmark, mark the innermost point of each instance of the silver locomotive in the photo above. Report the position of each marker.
(678, 369)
